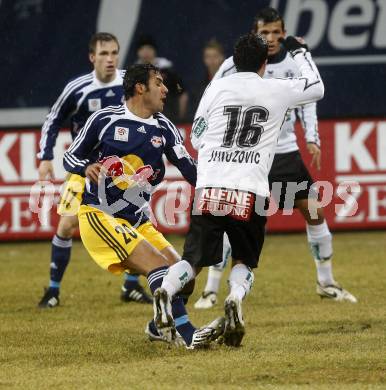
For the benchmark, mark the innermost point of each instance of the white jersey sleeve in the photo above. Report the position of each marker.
(200, 123)
(309, 120)
(227, 67)
(309, 86)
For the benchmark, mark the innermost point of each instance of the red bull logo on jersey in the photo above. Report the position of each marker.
(143, 175)
(156, 141)
(113, 166)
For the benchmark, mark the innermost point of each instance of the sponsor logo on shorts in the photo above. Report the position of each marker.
(219, 201)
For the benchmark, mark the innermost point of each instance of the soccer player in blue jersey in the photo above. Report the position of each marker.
(119, 151)
(80, 98)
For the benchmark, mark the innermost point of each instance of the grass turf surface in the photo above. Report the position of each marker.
(294, 340)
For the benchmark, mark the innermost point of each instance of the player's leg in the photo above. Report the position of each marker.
(203, 241)
(132, 291)
(295, 190)
(246, 239)
(203, 247)
(173, 257)
(60, 257)
(117, 247)
(67, 208)
(209, 296)
(192, 338)
(183, 325)
(320, 241)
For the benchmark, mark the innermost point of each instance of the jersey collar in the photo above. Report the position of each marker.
(278, 57)
(129, 115)
(117, 80)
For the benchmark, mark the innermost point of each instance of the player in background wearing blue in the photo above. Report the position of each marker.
(80, 98)
(288, 168)
(119, 151)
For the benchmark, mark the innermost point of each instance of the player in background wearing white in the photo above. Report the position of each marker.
(288, 167)
(235, 131)
(80, 98)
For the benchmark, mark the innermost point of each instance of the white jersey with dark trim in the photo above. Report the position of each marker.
(284, 67)
(238, 122)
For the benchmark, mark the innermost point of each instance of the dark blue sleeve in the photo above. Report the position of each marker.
(64, 105)
(78, 155)
(176, 152)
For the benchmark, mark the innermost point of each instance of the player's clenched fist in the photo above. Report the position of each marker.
(92, 172)
(46, 170)
(294, 45)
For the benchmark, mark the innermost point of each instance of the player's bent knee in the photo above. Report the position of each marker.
(171, 255)
(67, 226)
(145, 258)
(311, 211)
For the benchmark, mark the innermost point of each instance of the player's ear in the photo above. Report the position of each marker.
(91, 57)
(140, 88)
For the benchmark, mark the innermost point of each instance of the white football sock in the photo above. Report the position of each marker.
(214, 279)
(320, 240)
(324, 272)
(177, 276)
(240, 281)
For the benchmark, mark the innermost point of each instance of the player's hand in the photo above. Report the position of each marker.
(292, 45)
(93, 172)
(316, 153)
(46, 170)
(302, 42)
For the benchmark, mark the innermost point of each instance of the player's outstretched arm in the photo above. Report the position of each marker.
(309, 86)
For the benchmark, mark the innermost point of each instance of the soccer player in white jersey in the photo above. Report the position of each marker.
(80, 98)
(235, 132)
(288, 170)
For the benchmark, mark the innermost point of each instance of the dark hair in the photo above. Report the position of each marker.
(267, 15)
(101, 37)
(250, 52)
(138, 73)
(145, 40)
(214, 44)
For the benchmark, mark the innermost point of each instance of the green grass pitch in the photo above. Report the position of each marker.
(294, 339)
